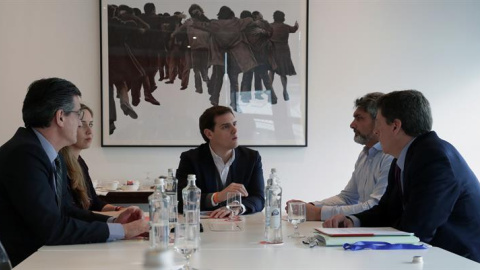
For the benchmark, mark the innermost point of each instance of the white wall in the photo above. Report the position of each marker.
(355, 47)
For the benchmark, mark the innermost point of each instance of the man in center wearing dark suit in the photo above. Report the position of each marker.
(431, 190)
(221, 166)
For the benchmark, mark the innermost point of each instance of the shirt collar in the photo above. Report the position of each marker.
(374, 149)
(219, 159)
(403, 154)
(47, 146)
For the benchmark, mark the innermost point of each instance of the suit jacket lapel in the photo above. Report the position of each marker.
(212, 181)
(233, 173)
(29, 134)
(409, 164)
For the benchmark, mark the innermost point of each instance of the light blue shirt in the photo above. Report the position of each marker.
(365, 188)
(47, 146)
(116, 230)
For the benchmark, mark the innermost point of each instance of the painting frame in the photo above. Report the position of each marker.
(261, 122)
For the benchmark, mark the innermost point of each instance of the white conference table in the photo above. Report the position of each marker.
(242, 250)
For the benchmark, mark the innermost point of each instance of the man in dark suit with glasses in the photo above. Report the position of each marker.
(35, 204)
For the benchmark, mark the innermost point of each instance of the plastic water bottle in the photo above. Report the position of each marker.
(273, 210)
(191, 202)
(159, 204)
(171, 184)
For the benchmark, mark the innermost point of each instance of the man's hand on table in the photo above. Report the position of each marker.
(129, 214)
(136, 228)
(220, 213)
(314, 213)
(338, 221)
(133, 222)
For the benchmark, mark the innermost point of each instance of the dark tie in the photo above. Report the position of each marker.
(58, 181)
(398, 179)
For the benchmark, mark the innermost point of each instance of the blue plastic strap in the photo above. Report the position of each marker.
(380, 245)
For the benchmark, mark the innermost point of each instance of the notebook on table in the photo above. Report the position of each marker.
(340, 236)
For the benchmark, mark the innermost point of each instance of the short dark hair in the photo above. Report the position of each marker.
(368, 103)
(278, 16)
(44, 98)
(137, 11)
(257, 15)
(125, 8)
(225, 13)
(245, 14)
(410, 107)
(207, 119)
(149, 8)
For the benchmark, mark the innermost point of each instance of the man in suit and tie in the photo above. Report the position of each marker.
(431, 190)
(221, 166)
(34, 200)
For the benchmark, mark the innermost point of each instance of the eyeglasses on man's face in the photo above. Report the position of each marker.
(79, 113)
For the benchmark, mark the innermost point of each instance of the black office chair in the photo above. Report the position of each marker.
(4, 261)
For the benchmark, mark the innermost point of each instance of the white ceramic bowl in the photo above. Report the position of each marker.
(130, 187)
(111, 186)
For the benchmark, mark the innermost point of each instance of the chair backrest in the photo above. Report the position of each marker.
(4, 261)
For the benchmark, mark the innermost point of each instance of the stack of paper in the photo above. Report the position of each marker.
(340, 236)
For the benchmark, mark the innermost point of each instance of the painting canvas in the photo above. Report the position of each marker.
(164, 62)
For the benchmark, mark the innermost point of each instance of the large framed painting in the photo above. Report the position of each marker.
(165, 62)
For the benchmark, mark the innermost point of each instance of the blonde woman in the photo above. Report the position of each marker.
(80, 183)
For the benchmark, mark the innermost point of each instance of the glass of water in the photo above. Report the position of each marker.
(171, 190)
(148, 182)
(296, 215)
(187, 241)
(234, 204)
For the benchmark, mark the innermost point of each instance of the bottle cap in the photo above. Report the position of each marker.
(191, 177)
(161, 181)
(417, 259)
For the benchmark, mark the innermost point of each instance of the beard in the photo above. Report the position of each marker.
(361, 139)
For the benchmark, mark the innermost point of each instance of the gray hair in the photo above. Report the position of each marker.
(411, 107)
(368, 103)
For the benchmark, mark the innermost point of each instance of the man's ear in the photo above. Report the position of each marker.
(208, 133)
(58, 118)
(397, 126)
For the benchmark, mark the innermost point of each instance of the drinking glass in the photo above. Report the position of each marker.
(187, 240)
(4, 261)
(234, 204)
(148, 182)
(296, 215)
(171, 191)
